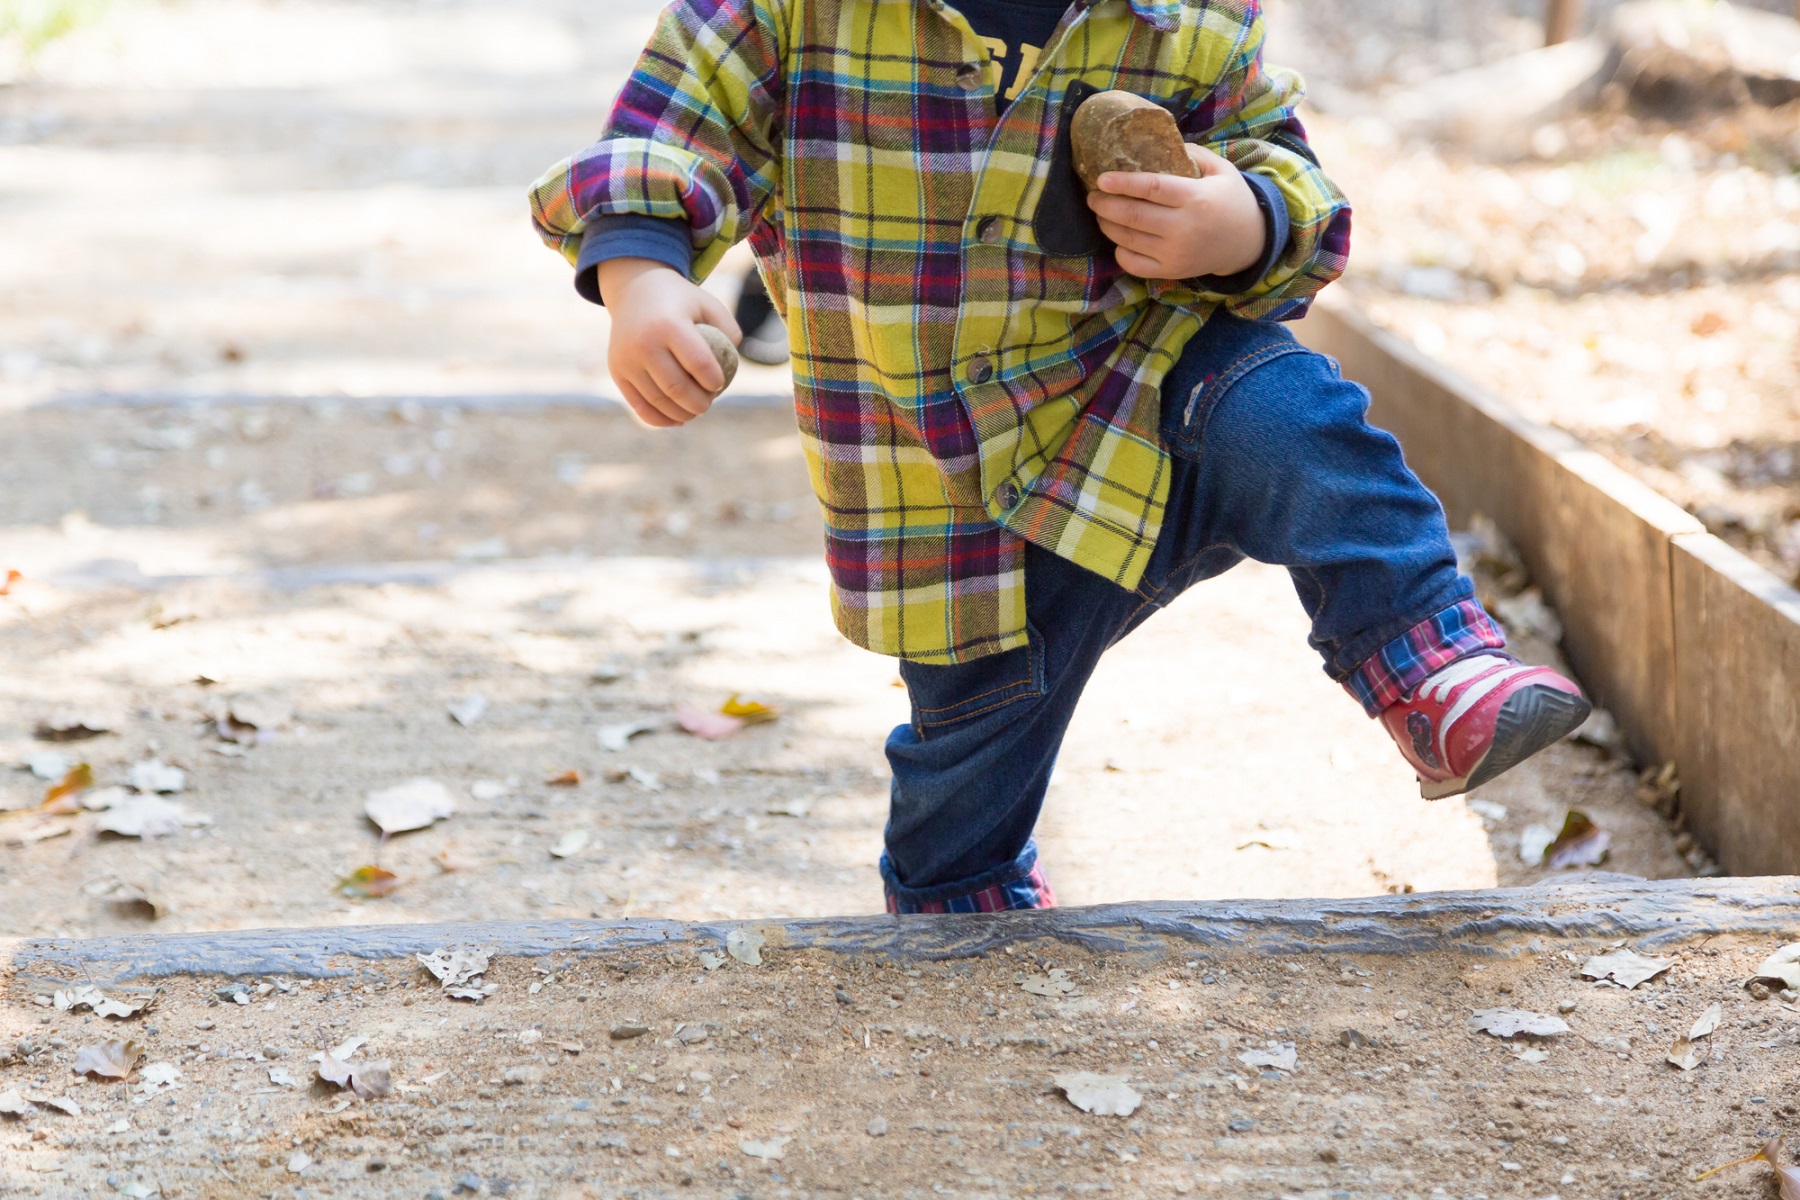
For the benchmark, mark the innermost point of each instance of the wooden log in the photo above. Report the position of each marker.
(1562, 17)
(1653, 914)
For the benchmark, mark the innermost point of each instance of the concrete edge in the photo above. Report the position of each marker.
(1673, 677)
(1651, 914)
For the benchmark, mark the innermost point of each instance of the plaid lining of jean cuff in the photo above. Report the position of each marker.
(1396, 670)
(1030, 891)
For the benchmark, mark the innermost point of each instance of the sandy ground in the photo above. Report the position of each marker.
(529, 1095)
(1183, 775)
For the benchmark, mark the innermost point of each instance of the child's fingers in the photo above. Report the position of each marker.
(1141, 265)
(676, 385)
(1210, 164)
(1135, 214)
(646, 412)
(696, 358)
(1128, 238)
(1146, 185)
(713, 312)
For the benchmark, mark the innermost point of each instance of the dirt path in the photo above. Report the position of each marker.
(652, 1074)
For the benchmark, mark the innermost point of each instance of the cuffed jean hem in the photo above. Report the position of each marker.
(1398, 668)
(1020, 884)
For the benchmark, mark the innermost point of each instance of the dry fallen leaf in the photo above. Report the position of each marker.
(615, 738)
(454, 967)
(12, 577)
(1789, 1177)
(415, 804)
(1625, 967)
(1580, 844)
(1709, 1022)
(450, 862)
(157, 1078)
(367, 1079)
(1055, 985)
(714, 727)
(1510, 1022)
(745, 946)
(711, 960)
(154, 775)
(147, 817)
(468, 710)
(569, 778)
(750, 712)
(1102, 1095)
(78, 779)
(1784, 965)
(70, 727)
(1687, 1055)
(571, 843)
(60, 1103)
(368, 883)
(112, 1060)
(1281, 1055)
(246, 719)
(90, 997)
(13, 1105)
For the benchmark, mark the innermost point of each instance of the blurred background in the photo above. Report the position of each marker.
(294, 407)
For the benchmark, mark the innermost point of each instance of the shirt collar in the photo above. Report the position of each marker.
(1163, 14)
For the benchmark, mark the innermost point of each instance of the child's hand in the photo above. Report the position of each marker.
(667, 372)
(1167, 227)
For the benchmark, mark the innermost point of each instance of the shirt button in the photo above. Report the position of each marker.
(968, 77)
(1006, 496)
(980, 370)
(988, 230)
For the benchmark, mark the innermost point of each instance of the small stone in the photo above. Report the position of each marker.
(273, 1051)
(1566, 1006)
(375, 1166)
(468, 1182)
(844, 997)
(520, 1076)
(1759, 990)
(878, 1127)
(624, 1033)
(1328, 1155)
(1241, 1126)
(1351, 1039)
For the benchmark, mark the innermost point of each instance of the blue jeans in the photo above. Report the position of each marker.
(1274, 460)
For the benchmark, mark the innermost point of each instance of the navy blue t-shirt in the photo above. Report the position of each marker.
(1014, 32)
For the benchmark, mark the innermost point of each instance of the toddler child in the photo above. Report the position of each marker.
(1032, 416)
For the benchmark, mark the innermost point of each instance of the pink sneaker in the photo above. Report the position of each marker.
(1479, 717)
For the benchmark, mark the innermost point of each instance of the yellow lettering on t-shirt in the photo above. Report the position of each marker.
(1028, 57)
(996, 60)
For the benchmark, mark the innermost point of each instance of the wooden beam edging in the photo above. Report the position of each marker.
(1486, 923)
(1692, 647)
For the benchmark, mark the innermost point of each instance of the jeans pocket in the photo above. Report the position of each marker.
(944, 696)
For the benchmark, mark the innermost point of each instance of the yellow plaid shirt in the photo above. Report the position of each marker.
(971, 368)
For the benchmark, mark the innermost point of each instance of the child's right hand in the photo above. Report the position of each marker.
(657, 357)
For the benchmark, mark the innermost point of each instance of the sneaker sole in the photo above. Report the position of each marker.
(1531, 719)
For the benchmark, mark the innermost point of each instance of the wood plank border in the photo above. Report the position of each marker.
(1693, 647)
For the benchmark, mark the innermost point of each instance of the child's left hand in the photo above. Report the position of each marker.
(1167, 227)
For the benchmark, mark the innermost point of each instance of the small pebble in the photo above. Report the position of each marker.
(1351, 1039)
(469, 1182)
(1759, 991)
(1241, 1126)
(375, 1165)
(621, 1033)
(878, 1127)
(844, 997)
(1566, 1006)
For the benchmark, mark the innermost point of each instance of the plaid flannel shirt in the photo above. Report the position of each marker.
(972, 369)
